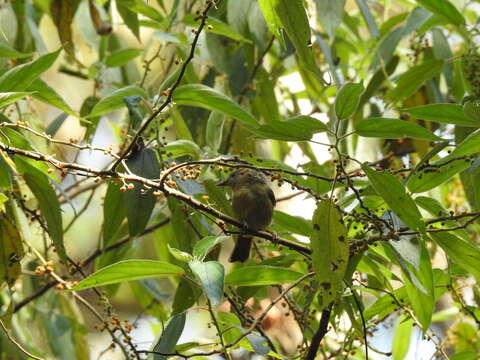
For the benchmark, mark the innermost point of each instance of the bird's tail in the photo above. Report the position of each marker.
(241, 251)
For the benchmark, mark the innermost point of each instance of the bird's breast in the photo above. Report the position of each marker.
(253, 206)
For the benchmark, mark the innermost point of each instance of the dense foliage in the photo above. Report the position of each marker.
(118, 118)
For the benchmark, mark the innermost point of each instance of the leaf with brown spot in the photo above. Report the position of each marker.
(11, 252)
(330, 251)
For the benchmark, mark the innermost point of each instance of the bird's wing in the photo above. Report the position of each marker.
(271, 195)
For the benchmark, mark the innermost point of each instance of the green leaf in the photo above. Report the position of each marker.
(469, 146)
(393, 129)
(181, 128)
(393, 192)
(443, 113)
(413, 79)
(431, 175)
(445, 9)
(129, 17)
(122, 56)
(216, 27)
(472, 110)
(182, 147)
(141, 7)
(204, 246)
(401, 337)
(8, 52)
(10, 97)
(48, 95)
(56, 124)
(185, 296)
(92, 123)
(347, 99)
(211, 275)
(170, 336)
(134, 110)
(179, 255)
(113, 213)
(294, 224)
(11, 252)
(378, 79)
(329, 251)
(384, 306)
(290, 15)
(139, 202)
(48, 203)
(149, 295)
(367, 15)
(465, 254)
(114, 100)
(211, 99)
(20, 77)
(422, 303)
(465, 355)
(298, 128)
(129, 270)
(214, 132)
(57, 332)
(330, 14)
(385, 50)
(261, 275)
(441, 50)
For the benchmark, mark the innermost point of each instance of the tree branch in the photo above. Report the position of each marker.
(168, 99)
(319, 335)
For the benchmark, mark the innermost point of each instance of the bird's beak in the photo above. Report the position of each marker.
(223, 183)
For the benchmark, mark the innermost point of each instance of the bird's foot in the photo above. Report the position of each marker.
(245, 227)
(275, 237)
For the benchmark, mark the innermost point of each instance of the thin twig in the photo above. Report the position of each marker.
(177, 82)
(16, 343)
(85, 262)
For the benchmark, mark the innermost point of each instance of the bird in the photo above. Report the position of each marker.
(253, 202)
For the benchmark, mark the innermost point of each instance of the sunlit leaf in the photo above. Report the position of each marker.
(216, 26)
(8, 52)
(330, 13)
(10, 97)
(48, 202)
(122, 56)
(211, 99)
(431, 175)
(48, 95)
(114, 100)
(393, 129)
(443, 113)
(170, 336)
(465, 254)
(298, 128)
(290, 16)
(11, 252)
(21, 76)
(211, 275)
(330, 251)
(411, 80)
(347, 100)
(261, 275)
(444, 9)
(401, 337)
(129, 270)
(396, 197)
